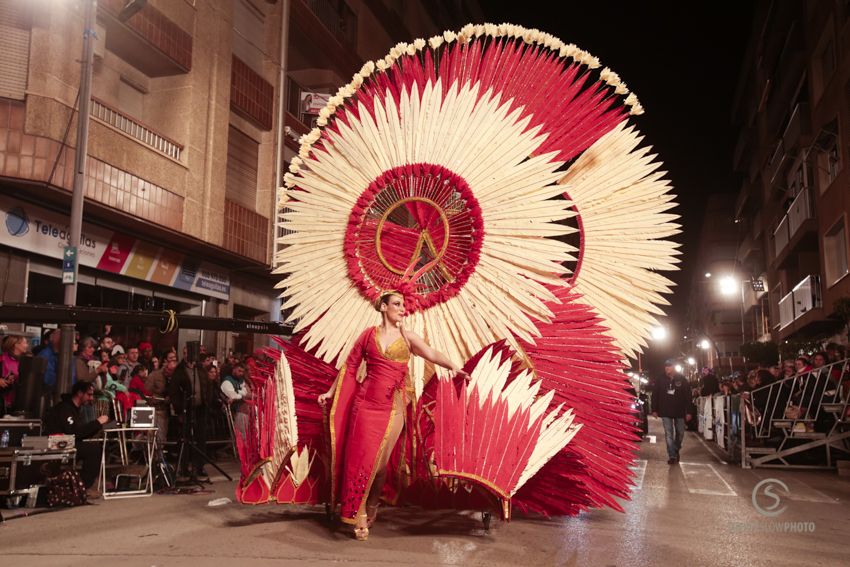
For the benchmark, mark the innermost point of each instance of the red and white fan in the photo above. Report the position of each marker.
(500, 163)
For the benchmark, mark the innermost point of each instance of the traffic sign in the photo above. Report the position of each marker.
(69, 264)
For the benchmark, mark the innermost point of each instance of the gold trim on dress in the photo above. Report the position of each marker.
(331, 415)
(375, 464)
(387, 354)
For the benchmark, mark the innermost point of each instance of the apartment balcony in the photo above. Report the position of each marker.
(793, 226)
(149, 40)
(805, 297)
(134, 129)
(30, 158)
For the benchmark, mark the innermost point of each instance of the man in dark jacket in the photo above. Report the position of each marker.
(671, 398)
(66, 417)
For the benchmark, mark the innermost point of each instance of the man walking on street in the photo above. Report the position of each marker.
(671, 398)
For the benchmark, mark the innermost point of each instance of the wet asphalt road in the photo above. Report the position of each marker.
(697, 513)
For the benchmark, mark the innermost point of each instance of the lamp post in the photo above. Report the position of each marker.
(70, 266)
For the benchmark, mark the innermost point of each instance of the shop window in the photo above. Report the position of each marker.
(15, 47)
(242, 162)
(835, 252)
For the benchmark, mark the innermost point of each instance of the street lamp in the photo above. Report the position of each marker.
(659, 333)
(704, 344)
(692, 361)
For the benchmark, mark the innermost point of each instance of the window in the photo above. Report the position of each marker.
(835, 252)
(15, 47)
(242, 161)
(829, 155)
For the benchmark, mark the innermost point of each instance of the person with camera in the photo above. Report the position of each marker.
(191, 396)
(66, 418)
(157, 384)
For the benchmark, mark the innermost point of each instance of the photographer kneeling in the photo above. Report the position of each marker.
(65, 417)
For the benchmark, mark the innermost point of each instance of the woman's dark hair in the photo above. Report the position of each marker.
(81, 387)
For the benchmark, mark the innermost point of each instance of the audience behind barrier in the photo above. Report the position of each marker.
(131, 373)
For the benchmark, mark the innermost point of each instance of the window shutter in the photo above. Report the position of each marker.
(15, 49)
(242, 159)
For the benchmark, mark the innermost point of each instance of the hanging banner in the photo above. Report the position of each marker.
(31, 228)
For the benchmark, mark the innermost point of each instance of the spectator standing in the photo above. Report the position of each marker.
(671, 398)
(66, 418)
(86, 365)
(14, 347)
(235, 388)
(157, 384)
(146, 355)
(708, 384)
(50, 352)
(133, 358)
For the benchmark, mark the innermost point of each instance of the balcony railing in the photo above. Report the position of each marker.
(798, 213)
(135, 129)
(805, 296)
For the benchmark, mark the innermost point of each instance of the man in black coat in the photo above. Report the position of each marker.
(65, 417)
(671, 398)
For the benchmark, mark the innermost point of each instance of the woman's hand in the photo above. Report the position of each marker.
(323, 399)
(460, 372)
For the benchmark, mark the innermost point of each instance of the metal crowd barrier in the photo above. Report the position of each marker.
(799, 414)
(718, 420)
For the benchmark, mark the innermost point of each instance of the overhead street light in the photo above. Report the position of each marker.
(728, 285)
(704, 344)
(659, 333)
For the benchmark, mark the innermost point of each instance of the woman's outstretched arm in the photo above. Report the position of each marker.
(420, 348)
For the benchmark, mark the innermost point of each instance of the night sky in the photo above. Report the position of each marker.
(683, 60)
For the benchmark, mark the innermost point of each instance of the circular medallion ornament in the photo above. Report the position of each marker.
(416, 227)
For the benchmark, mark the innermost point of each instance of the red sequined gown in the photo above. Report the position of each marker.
(366, 419)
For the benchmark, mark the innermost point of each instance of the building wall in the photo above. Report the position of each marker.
(793, 114)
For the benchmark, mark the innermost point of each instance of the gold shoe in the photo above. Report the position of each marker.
(361, 533)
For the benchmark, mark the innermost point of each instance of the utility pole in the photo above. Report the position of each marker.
(70, 268)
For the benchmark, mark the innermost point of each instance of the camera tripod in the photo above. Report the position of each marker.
(187, 433)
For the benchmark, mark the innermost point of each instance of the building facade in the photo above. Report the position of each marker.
(792, 112)
(196, 108)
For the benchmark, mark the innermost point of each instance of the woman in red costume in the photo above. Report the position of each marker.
(367, 417)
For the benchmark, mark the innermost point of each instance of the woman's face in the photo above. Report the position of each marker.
(155, 363)
(20, 347)
(104, 356)
(393, 309)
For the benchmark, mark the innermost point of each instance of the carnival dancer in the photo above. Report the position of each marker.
(367, 417)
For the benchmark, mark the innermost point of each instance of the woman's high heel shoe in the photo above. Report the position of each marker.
(361, 533)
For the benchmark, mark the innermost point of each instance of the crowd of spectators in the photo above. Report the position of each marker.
(795, 392)
(190, 393)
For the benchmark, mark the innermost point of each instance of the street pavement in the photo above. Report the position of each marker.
(699, 512)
